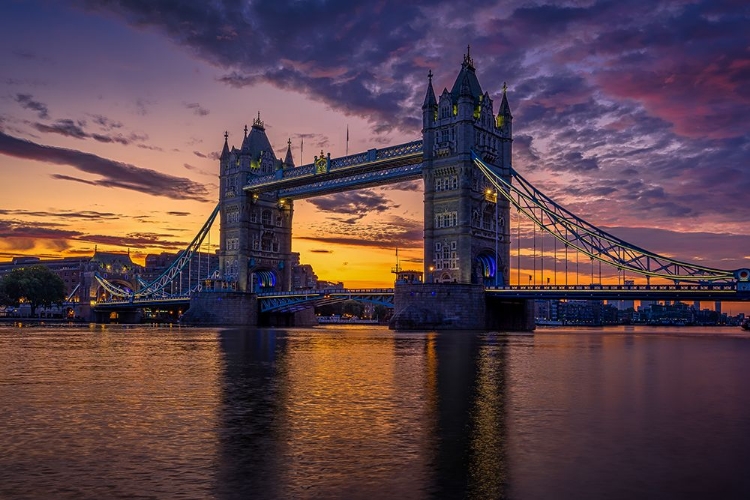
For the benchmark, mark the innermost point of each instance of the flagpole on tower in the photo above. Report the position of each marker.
(347, 140)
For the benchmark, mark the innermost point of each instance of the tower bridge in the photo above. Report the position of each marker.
(471, 190)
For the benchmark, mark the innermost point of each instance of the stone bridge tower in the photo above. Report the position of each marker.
(466, 224)
(255, 251)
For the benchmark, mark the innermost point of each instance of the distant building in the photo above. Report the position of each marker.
(69, 269)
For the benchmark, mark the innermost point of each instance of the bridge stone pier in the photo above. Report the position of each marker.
(455, 306)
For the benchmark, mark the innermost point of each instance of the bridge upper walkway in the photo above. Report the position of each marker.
(370, 168)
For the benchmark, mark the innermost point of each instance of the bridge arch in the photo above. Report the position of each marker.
(486, 269)
(264, 280)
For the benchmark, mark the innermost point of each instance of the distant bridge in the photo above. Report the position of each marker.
(289, 302)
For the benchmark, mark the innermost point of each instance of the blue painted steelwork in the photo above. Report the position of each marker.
(370, 168)
(359, 181)
(123, 304)
(157, 286)
(298, 300)
(592, 241)
(687, 292)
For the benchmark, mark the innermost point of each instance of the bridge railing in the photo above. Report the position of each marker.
(690, 287)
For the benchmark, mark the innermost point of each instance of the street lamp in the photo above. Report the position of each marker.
(431, 268)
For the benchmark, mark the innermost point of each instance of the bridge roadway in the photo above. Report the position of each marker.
(297, 300)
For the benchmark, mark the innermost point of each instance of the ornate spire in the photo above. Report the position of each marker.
(468, 61)
(225, 150)
(257, 123)
(245, 131)
(288, 159)
(503, 114)
(429, 99)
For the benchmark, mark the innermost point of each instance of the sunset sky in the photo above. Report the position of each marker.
(635, 115)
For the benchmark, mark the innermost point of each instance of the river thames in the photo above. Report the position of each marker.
(351, 412)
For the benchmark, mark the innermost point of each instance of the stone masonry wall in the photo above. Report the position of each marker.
(438, 306)
(222, 308)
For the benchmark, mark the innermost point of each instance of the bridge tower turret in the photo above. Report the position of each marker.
(466, 232)
(256, 230)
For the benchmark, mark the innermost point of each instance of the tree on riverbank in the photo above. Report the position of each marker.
(35, 285)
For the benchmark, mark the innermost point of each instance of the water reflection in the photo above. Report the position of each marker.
(362, 414)
(368, 413)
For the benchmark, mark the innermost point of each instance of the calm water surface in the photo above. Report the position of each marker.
(362, 412)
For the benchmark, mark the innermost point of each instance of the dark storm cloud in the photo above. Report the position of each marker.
(76, 129)
(602, 91)
(355, 204)
(109, 138)
(196, 108)
(27, 101)
(394, 232)
(68, 128)
(112, 173)
(106, 123)
(14, 229)
(370, 59)
(199, 170)
(24, 235)
(63, 214)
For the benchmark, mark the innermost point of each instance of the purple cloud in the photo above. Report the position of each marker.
(27, 101)
(112, 173)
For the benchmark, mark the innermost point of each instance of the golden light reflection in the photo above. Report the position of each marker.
(488, 469)
(364, 397)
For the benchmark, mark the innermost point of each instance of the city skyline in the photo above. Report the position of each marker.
(112, 115)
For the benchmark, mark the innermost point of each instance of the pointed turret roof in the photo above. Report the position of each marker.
(225, 150)
(504, 106)
(466, 83)
(288, 159)
(256, 141)
(429, 100)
